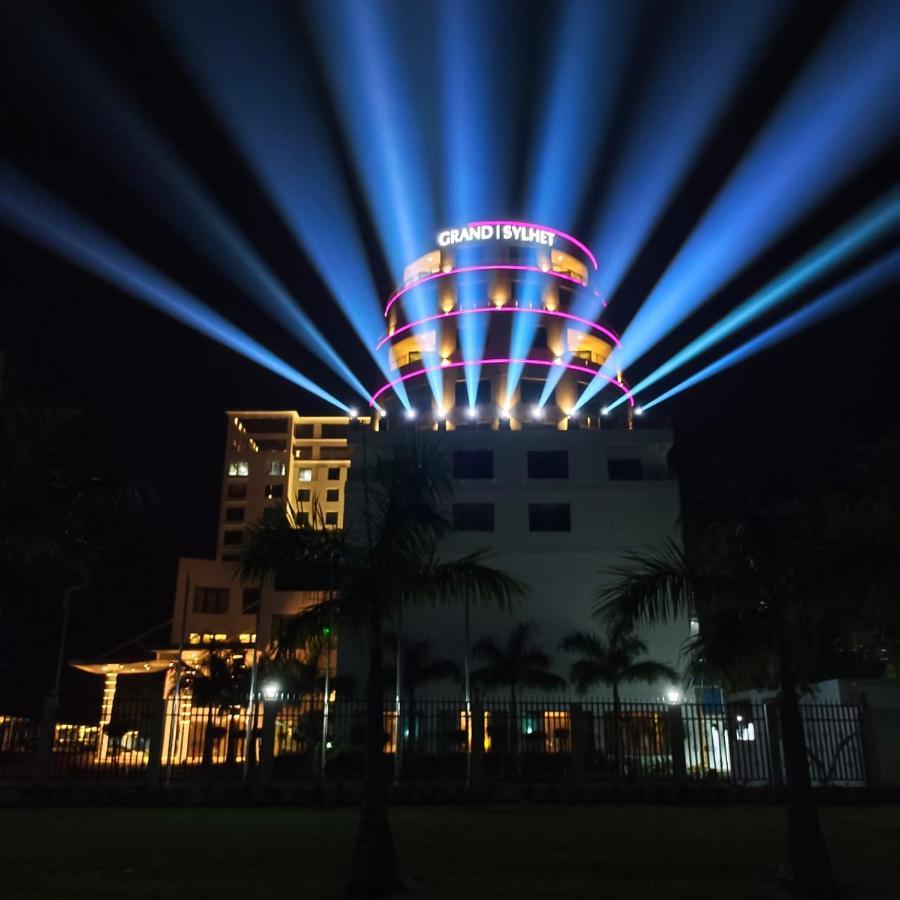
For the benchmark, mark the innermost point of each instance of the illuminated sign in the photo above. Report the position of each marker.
(496, 231)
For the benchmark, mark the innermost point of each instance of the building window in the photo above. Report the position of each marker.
(331, 518)
(239, 469)
(625, 469)
(236, 492)
(334, 431)
(194, 637)
(334, 473)
(548, 464)
(332, 495)
(276, 468)
(304, 494)
(549, 517)
(482, 393)
(265, 426)
(274, 491)
(232, 538)
(211, 599)
(306, 430)
(234, 514)
(530, 390)
(250, 600)
(473, 516)
(304, 474)
(473, 464)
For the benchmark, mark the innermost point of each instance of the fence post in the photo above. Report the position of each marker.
(772, 709)
(157, 732)
(46, 734)
(477, 738)
(676, 743)
(267, 745)
(869, 745)
(579, 749)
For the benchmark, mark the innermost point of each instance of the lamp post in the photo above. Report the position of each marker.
(66, 603)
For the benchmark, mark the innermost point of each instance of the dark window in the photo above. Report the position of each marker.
(482, 393)
(549, 517)
(473, 464)
(540, 339)
(265, 446)
(211, 599)
(530, 391)
(331, 518)
(265, 426)
(237, 492)
(334, 473)
(273, 491)
(332, 495)
(234, 514)
(303, 495)
(304, 431)
(625, 469)
(334, 431)
(250, 600)
(473, 516)
(548, 464)
(233, 538)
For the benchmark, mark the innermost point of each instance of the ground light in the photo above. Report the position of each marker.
(270, 690)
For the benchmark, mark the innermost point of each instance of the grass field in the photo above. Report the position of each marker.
(523, 851)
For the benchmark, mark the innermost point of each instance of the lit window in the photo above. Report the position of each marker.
(239, 469)
(304, 474)
(194, 638)
(220, 637)
(276, 468)
(245, 637)
(208, 637)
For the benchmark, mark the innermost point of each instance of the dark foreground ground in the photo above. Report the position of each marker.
(525, 851)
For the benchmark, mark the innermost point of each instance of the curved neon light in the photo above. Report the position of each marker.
(501, 361)
(501, 309)
(485, 268)
(556, 231)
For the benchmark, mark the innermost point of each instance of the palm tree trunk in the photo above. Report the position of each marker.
(374, 869)
(207, 758)
(513, 726)
(616, 733)
(807, 852)
(412, 744)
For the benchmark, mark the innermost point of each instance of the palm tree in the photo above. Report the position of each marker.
(767, 580)
(418, 667)
(518, 664)
(220, 684)
(369, 575)
(613, 660)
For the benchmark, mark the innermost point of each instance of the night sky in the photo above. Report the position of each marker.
(153, 392)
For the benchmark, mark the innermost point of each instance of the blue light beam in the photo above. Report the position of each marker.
(855, 289)
(703, 63)
(876, 222)
(45, 220)
(242, 59)
(833, 119)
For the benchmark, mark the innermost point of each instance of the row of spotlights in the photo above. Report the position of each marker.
(537, 412)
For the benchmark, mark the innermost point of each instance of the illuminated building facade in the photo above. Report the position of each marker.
(556, 496)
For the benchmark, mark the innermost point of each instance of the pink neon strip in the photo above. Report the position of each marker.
(501, 361)
(499, 309)
(557, 232)
(486, 268)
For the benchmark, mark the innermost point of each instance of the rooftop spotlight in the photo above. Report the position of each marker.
(557, 360)
(572, 413)
(638, 410)
(410, 414)
(445, 360)
(545, 266)
(447, 267)
(440, 414)
(472, 412)
(537, 412)
(504, 412)
(353, 412)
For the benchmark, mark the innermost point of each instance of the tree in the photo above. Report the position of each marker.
(390, 561)
(418, 667)
(518, 664)
(220, 684)
(613, 660)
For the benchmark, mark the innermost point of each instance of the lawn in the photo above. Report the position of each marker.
(522, 851)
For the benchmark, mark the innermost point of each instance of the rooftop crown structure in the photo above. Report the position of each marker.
(486, 319)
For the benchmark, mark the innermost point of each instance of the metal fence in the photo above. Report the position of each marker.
(436, 740)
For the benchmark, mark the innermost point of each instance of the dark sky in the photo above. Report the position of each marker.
(154, 392)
